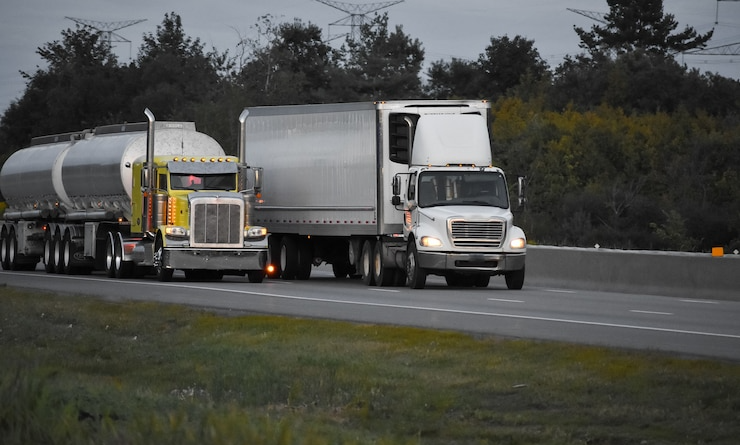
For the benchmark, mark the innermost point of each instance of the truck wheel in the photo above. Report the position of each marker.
(288, 258)
(482, 280)
(415, 275)
(515, 279)
(384, 276)
(305, 259)
(256, 276)
(67, 255)
(110, 256)
(163, 274)
(48, 254)
(12, 251)
(57, 252)
(273, 247)
(366, 263)
(122, 269)
(4, 250)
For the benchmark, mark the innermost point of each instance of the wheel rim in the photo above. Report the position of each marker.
(109, 253)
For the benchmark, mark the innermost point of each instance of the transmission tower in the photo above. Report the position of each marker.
(593, 15)
(107, 30)
(357, 15)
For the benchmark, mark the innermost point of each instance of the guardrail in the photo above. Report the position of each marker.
(677, 274)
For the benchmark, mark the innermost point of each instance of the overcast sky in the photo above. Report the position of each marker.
(446, 28)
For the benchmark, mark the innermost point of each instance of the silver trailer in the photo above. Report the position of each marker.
(345, 185)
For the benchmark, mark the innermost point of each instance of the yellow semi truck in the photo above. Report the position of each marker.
(132, 199)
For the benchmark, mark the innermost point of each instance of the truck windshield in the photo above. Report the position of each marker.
(444, 188)
(226, 181)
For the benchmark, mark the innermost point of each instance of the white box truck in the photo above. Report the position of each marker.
(388, 191)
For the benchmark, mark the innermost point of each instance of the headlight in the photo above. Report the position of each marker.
(517, 243)
(255, 232)
(176, 231)
(428, 241)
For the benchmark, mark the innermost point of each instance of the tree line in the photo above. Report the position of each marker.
(621, 145)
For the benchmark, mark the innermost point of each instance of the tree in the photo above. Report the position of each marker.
(79, 88)
(384, 65)
(176, 74)
(639, 25)
(506, 63)
(295, 65)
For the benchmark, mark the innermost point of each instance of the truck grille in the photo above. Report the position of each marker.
(216, 224)
(489, 234)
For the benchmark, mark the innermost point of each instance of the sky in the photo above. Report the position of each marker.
(445, 28)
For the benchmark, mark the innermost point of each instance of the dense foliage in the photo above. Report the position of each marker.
(622, 146)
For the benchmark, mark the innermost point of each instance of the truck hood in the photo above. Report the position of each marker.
(466, 212)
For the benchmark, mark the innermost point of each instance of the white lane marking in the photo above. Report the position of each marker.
(400, 306)
(505, 300)
(650, 312)
(560, 291)
(385, 290)
(700, 301)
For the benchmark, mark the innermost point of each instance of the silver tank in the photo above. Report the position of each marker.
(79, 178)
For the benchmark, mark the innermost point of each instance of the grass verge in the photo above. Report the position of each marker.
(81, 370)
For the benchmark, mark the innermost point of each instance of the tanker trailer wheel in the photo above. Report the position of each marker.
(383, 275)
(68, 255)
(49, 265)
(4, 239)
(110, 256)
(515, 279)
(12, 253)
(288, 258)
(163, 274)
(57, 252)
(415, 275)
(366, 263)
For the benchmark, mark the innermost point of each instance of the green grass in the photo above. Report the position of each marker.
(82, 370)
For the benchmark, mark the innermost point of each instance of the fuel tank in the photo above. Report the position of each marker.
(87, 175)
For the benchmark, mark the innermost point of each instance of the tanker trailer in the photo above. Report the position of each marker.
(131, 199)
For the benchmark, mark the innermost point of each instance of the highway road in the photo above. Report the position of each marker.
(692, 327)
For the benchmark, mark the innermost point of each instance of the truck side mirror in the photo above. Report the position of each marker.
(257, 179)
(521, 187)
(396, 185)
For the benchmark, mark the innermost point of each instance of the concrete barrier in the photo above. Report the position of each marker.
(679, 274)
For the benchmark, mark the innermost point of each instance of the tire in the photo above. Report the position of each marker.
(288, 258)
(163, 274)
(515, 279)
(49, 265)
(366, 263)
(305, 259)
(482, 280)
(383, 276)
(416, 277)
(341, 270)
(12, 251)
(123, 269)
(67, 255)
(110, 256)
(273, 246)
(4, 239)
(256, 276)
(57, 252)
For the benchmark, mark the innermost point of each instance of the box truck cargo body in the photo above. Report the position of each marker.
(388, 191)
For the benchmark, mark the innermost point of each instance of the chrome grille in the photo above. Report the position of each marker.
(216, 224)
(477, 233)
